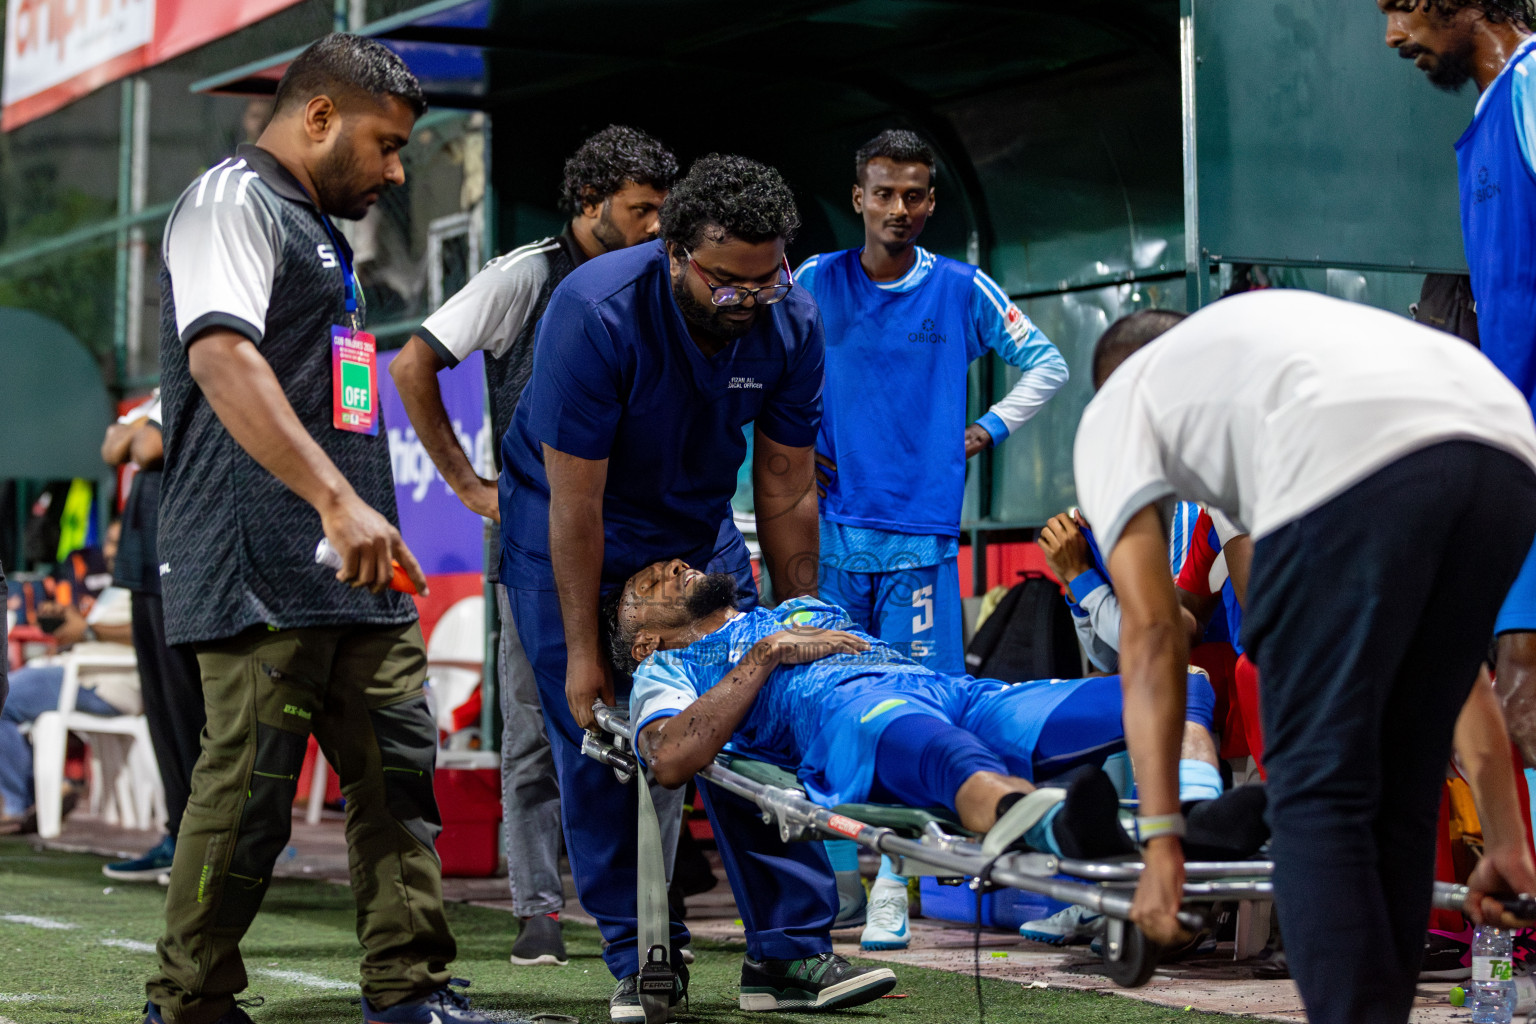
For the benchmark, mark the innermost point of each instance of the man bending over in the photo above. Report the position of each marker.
(858, 721)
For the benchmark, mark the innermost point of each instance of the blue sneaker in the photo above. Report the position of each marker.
(234, 1015)
(147, 868)
(445, 1006)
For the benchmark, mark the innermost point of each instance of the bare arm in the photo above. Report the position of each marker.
(1239, 552)
(677, 747)
(72, 630)
(1154, 653)
(246, 396)
(576, 550)
(1482, 751)
(115, 445)
(148, 448)
(415, 372)
(784, 491)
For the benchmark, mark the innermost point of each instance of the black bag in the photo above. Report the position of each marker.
(1445, 303)
(1028, 636)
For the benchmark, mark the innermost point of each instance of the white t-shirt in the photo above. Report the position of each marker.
(1266, 405)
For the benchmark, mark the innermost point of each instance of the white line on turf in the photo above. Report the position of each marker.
(308, 980)
(37, 922)
(22, 997)
(132, 945)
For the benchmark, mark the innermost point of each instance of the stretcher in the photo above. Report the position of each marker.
(930, 842)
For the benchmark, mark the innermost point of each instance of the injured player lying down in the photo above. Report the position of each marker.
(799, 687)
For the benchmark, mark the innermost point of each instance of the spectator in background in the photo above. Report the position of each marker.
(170, 686)
(34, 689)
(5, 640)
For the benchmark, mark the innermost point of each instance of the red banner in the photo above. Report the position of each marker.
(57, 51)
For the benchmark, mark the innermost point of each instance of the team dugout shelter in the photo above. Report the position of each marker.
(1096, 158)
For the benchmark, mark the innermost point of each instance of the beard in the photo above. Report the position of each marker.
(1452, 69)
(711, 320)
(606, 231)
(715, 591)
(339, 184)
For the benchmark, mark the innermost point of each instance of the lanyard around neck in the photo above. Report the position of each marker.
(348, 277)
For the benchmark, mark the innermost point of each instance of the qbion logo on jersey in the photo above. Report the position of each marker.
(929, 335)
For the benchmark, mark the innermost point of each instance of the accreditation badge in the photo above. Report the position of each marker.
(354, 380)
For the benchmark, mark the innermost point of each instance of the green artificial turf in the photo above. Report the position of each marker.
(94, 972)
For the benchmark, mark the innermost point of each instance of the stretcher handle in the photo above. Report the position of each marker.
(1454, 897)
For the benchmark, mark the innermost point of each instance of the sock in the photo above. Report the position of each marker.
(843, 853)
(1118, 768)
(888, 872)
(1198, 781)
(1040, 837)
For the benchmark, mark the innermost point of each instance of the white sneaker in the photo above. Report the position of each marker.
(887, 923)
(1070, 927)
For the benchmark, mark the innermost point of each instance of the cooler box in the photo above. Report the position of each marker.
(468, 787)
(1001, 908)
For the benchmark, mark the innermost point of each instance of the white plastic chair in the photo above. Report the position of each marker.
(456, 660)
(125, 778)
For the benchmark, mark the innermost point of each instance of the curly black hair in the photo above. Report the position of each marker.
(348, 63)
(737, 197)
(610, 159)
(615, 637)
(1521, 12)
(896, 144)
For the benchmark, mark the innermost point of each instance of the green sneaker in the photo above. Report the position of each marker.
(822, 982)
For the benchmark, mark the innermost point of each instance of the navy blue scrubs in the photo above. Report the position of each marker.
(616, 376)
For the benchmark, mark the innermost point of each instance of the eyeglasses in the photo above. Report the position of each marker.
(735, 295)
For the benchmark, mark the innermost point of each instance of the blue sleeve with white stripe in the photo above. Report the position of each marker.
(1525, 107)
(805, 277)
(1001, 326)
(663, 687)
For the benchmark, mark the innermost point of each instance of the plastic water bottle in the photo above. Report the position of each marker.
(1493, 982)
(1525, 994)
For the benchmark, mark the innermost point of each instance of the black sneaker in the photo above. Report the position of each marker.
(624, 1007)
(233, 1015)
(822, 982)
(1447, 956)
(445, 1006)
(539, 943)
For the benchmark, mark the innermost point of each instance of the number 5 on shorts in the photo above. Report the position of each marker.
(922, 599)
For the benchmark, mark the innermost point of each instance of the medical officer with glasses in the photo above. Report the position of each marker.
(649, 364)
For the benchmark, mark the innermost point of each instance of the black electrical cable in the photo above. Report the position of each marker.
(983, 884)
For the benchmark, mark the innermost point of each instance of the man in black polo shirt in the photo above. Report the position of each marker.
(272, 441)
(613, 190)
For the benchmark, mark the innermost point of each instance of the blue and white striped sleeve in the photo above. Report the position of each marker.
(805, 277)
(1524, 103)
(1003, 327)
(663, 687)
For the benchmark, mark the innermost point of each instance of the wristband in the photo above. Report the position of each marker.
(1157, 826)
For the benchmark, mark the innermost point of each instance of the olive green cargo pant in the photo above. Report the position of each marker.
(359, 691)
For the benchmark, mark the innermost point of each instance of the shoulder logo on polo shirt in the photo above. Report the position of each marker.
(327, 256)
(748, 383)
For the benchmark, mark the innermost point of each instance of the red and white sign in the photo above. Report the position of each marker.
(57, 51)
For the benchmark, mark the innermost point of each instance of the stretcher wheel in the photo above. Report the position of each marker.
(1130, 957)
